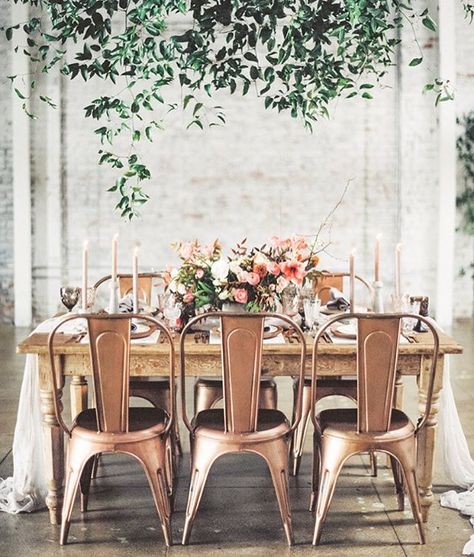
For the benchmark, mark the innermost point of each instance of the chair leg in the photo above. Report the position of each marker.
(398, 480)
(373, 463)
(76, 463)
(333, 455)
(405, 452)
(85, 482)
(276, 455)
(316, 472)
(299, 434)
(95, 466)
(203, 456)
(155, 464)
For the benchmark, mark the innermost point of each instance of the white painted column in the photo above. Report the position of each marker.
(21, 183)
(447, 168)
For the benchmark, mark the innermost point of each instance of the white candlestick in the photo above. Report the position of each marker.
(85, 262)
(135, 280)
(114, 257)
(398, 250)
(352, 279)
(377, 258)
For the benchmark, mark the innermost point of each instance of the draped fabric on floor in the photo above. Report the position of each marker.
(458, 464)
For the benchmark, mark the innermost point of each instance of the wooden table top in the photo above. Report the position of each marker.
(37, 343)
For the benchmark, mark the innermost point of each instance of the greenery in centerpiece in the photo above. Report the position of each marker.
(254, 277)
(297, 56)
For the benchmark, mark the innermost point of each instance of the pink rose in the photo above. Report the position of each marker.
(188, 297)
(293, 271)
(199, 273)
(274, 268)
(241, 295)
(253, 279)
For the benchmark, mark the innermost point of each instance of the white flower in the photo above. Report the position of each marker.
(181, 289)
(282, 283)
(224, 295)
(260, 258)
(220, 269)
(172, 286)
(234, 266)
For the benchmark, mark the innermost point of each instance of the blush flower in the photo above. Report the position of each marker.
(253, 279)
(199, 273)
(293, 271)
(260, 269)
(188, 297)
(274, 268)
(241, 295)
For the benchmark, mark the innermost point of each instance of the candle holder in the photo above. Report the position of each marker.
(378, 297)
(114, 297)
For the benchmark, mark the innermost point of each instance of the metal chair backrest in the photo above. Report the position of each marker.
(377, 353)
(109, 348)
(323, 283)
(146, 281)
(241, 353)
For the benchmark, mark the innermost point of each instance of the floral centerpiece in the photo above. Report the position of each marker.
(253, 277)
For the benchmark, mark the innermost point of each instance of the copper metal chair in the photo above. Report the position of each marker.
(155, 391)
(375, 425)
(326, 386)
(240, 426)
(113, 427)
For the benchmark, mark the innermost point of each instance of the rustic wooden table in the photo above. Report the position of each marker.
(204, 359)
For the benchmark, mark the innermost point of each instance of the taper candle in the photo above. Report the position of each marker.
(135, 280)
(114, 257)
(352, 279)
(377, 258)
(85, 263)
(398, 251)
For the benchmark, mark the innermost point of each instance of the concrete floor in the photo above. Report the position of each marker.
(238, 513)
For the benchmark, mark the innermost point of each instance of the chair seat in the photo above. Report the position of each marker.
(265, 381)
(142, 423)
(270, 424)
(343, 423)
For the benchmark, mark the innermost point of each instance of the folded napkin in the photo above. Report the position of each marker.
(338, 301)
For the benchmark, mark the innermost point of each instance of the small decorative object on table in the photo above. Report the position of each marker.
(70, 296)
(424, 307)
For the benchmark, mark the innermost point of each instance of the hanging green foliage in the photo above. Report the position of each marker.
(296, 55)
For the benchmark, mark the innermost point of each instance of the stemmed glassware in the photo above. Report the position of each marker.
(172, 312)
(312, 306)
(70, 296)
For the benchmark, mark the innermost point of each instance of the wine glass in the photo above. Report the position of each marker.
(290, 301)
(70, 296)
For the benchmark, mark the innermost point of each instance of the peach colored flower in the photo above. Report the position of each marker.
(199, 273)
(252, 278)
(260, 269)
(279, 243)
(293, 271)
(298, 243)
(188, 297)
(274, 268)
(186, 250)
(241, 295)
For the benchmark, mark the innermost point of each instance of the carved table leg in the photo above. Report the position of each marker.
(54, 441)
(78, 389)
(426, 437)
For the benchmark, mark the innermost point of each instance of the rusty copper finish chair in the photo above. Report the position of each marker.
(155, 391)
(240, 426)
(326, 386)
(113, 427)
(375, 425)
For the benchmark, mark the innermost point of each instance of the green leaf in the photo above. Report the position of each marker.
(367, 95)
(19, 94)
(416, 61)
(429, 23)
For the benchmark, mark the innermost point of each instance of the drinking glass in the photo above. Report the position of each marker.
(70, 296)
(290, 301)
(311, 311)
(172, 312)
(90, 297)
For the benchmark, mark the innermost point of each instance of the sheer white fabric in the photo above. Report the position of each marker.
(27, 489)
(458, 464)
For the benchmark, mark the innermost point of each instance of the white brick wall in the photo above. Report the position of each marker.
(261, 174)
